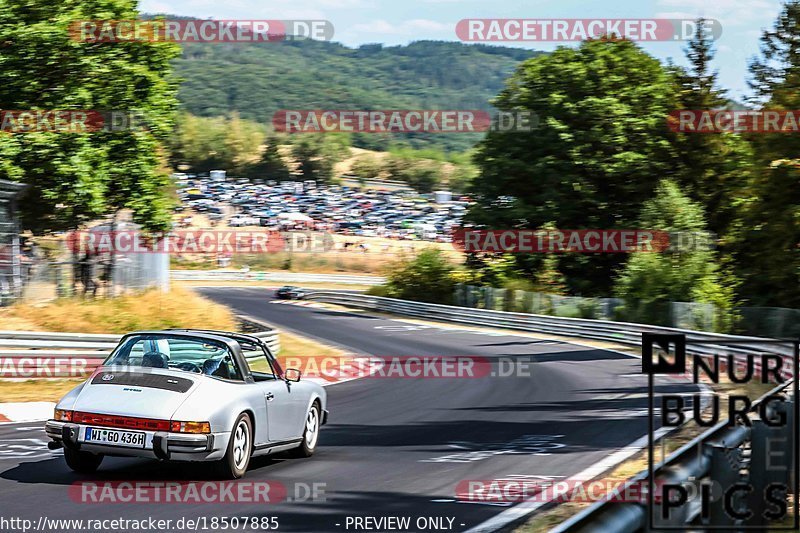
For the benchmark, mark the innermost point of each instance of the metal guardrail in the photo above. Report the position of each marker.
(627, 333)
(36, 354)
(282, 277)
(722, 453)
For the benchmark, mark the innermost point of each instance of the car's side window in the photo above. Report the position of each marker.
(258, 361)
(136, 353)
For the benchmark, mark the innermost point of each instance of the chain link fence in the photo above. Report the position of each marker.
(10, 280)
(538, 303)
(773, 322)
(36, 270)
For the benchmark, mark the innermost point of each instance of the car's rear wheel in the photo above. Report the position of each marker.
(240, 447)
(82, 462)
(310, 433)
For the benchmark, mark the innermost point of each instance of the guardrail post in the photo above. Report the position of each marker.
(472, 296)
(792, 435)
(459, 295)
(725, 467)
(771, 459)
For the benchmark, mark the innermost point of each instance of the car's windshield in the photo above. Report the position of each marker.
(201, 356)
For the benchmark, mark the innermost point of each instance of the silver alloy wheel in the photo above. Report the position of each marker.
(312, 427)
(241, 444)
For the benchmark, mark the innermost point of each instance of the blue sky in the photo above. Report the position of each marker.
(402, 21)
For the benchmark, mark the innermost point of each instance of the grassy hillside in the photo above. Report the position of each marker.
(258, 79)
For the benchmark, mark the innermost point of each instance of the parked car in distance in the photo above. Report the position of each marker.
(188, 395)
(289, 292)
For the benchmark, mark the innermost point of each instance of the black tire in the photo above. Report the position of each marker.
(82, 462)
(237, 458)
(309, 443)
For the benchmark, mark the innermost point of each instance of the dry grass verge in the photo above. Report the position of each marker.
(42, 390)
(148, 310)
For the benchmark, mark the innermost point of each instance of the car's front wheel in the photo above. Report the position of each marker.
(240, 447)
(310, 433)
(82, 462)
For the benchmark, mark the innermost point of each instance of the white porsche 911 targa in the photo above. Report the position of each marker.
(189, 395)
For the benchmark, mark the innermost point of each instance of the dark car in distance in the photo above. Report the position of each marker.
(289, 292)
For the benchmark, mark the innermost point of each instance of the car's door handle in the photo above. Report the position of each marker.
(269, 396)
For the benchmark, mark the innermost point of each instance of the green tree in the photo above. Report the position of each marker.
(75, 177)
(492, 269)
(243, 140)
(317, 154)
(422, 176)
(650, 280)
(313, 165)
(595, 157)
(258, 81)
(765, 240)
(197, 143)
(715, 167)
(396, 165)
(425, 278)
(367, 167)
(549, 279)
(271, 165)
(208, 143)
(461, 177)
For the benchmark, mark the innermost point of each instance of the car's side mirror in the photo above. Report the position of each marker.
(291, 374)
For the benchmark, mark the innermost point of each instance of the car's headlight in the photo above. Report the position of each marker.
(62, 415)
(190, 427)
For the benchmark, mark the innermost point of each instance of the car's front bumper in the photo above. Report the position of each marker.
(158, 444)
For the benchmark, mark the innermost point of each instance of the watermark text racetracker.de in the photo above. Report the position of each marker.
(563, 30)
(519, 488)
(338, 368)
(196, 492)
(402, 121)
(579, 241)
(199, 31)
(199, 242)
(15, 366)
(76, 121)
(762, 121)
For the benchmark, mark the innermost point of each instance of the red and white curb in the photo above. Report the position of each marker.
(349, 369)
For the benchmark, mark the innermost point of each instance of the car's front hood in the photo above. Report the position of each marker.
(141, 393)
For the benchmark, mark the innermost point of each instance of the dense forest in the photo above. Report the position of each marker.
(256, 79)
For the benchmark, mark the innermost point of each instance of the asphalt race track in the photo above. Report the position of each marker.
(394, 447)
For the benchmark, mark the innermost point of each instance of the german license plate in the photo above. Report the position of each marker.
(132, 439)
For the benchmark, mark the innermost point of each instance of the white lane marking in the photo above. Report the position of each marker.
(524, 445)
(495, 504)
(399, 328)
(298, 303)
(16, 449)
(531, 505)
